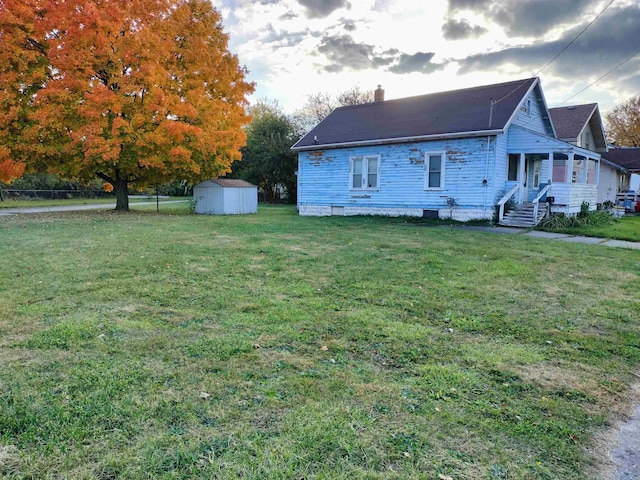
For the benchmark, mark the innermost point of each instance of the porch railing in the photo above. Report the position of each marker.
(536, 201)
(505, 199)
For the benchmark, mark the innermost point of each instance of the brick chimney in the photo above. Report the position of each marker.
(378, 95)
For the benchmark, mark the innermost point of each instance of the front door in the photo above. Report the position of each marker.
(531, 177)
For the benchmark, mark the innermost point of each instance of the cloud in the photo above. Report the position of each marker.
(348, 25)
(418, 62)
(346, 54)
(597, 51)
(525, 17)
(288, 16)
(284, 38)
(323, 8)
(461, 29)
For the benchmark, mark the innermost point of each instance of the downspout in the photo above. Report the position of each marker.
(485, 182)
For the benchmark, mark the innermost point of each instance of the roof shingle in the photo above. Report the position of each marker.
(628, 157)
(569, 121)
(444, 113)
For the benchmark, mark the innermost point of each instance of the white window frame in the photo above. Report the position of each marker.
(427, 166)
(365, 172)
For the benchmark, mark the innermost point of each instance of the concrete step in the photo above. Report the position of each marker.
(522, 216)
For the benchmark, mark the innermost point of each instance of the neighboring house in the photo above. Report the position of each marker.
(225, 196)
(461, 154)
(581, 125)
(629, 159)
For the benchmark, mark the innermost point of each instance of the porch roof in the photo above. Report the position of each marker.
(522, 140)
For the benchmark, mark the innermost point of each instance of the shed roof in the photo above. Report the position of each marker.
(230, 183)
(627, 157)
(456, 112)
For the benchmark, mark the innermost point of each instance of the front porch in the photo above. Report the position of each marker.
(544, 170)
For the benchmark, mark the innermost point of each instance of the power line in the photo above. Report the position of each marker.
(520, 85)
(593, 83)
(495, 102)
(574, 40)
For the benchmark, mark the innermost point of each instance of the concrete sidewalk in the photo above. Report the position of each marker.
(564, 237)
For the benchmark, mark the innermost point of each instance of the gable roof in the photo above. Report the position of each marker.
(229, 183)
(627, 157)
(465, 112)
(570, 121)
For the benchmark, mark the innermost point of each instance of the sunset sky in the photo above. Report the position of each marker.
(293, 48)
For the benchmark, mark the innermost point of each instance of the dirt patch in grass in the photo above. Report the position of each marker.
(617, 448)
(9, 460)
(558, 376)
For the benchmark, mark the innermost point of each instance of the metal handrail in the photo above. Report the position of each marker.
(505, 199)
(536, 201)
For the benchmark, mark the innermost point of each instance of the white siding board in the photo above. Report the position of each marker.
(607, 183)
(532, 120)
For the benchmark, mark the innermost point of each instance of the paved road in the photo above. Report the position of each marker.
(75, 208)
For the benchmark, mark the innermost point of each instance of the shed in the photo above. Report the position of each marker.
(225, 196)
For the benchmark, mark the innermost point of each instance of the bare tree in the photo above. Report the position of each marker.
(321, 104)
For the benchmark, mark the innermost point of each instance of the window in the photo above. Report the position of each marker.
(365, 172)
(514, 161)
(560, 161)
(434, 170)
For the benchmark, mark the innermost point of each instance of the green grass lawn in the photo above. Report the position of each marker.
(271, 346)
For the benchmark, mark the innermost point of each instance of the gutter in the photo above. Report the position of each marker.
(417, 138)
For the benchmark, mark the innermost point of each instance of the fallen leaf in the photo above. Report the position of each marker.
(324, 348)
(444, 477)
(204, 395)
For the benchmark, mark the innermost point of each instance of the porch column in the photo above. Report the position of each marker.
(597, 174)
(585, 171)
(550, 168)
(521, 178)
(569, 168)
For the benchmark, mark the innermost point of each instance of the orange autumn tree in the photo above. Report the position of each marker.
(134, 92)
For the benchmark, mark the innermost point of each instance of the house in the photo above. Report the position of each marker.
(581, 125)
(461, 154)
(224, 196)
(629, 159)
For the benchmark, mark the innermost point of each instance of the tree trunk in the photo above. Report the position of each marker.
(122, 195)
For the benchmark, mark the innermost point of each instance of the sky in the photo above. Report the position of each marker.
(295, 48)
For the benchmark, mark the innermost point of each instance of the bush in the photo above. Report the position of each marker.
(583, 219)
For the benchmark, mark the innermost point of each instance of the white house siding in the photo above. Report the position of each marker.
(533, 119)
(607, 183)
(324, 179)
(569, 197)
(585, 140)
